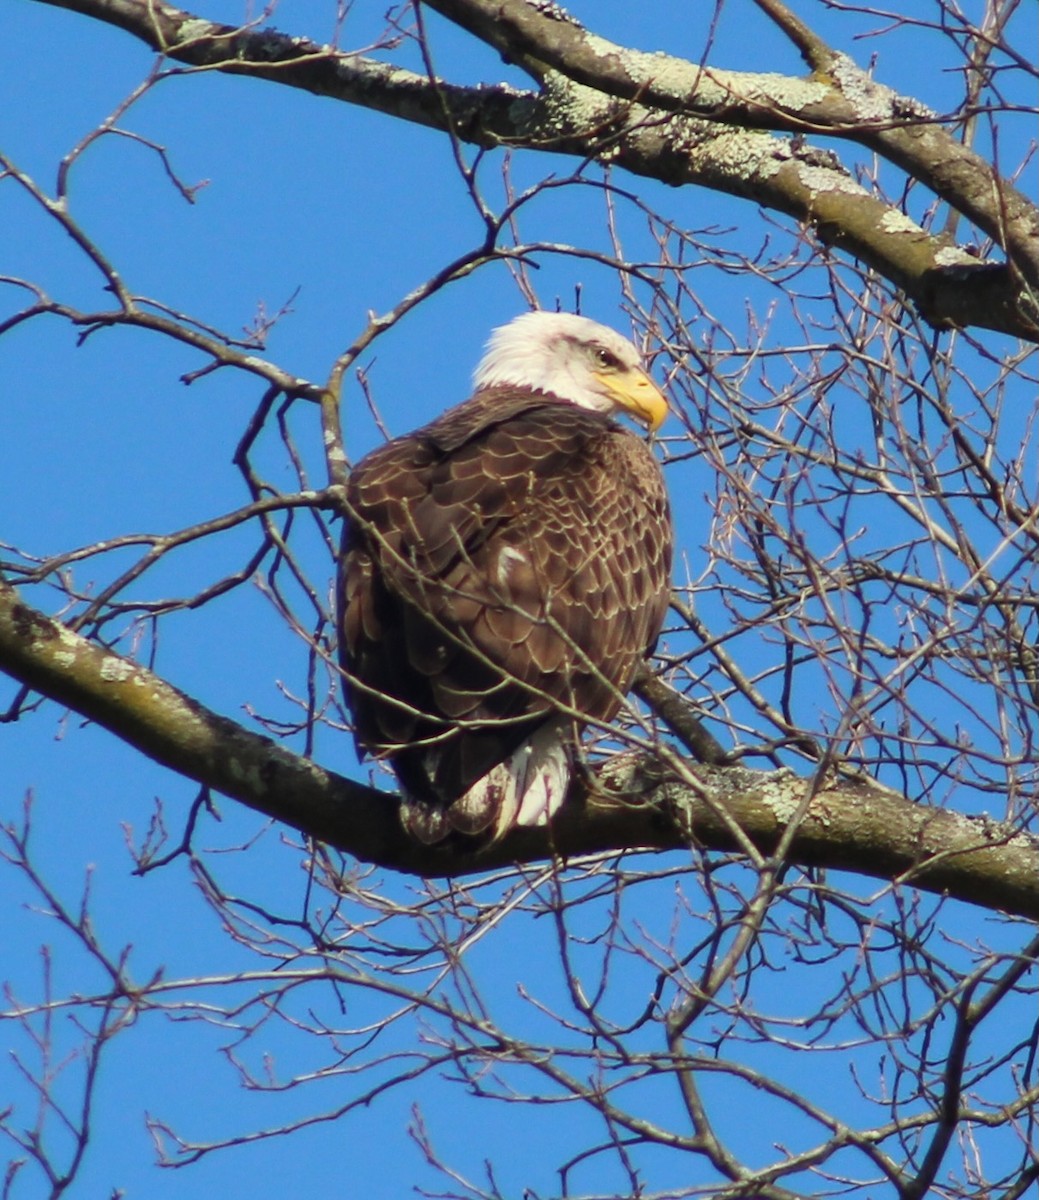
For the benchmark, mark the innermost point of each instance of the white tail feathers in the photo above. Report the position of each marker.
(541, 781)
(525, 789)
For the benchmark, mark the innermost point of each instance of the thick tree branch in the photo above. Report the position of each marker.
(678, 122)
(851, 823)
(838, 99)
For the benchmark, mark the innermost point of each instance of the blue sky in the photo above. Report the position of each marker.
(340, 211)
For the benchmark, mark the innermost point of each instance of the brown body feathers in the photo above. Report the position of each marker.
(504, 571)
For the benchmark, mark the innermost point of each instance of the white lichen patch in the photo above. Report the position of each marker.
(603, 48)
(742, 154)
(824, 179)
(67, 650)
(554, 12)
(573, 106)
(953, 256)
(894, 221)
(349, 66)
(874, 101)
(194, 28)
(775, 91)
(676, 76)
(871, 100)
(115, 670)
(687, 81)
(782, 792)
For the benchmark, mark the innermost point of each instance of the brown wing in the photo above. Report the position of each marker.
(510, 560)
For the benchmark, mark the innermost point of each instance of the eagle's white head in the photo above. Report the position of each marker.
(575, 359)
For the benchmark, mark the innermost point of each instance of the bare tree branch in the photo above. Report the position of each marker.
(850, 823)
(679, 122)
(850, 663)
(839, 99)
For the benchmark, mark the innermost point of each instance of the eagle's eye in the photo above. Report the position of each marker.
(605, 358)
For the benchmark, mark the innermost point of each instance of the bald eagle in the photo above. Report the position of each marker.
(504, 571)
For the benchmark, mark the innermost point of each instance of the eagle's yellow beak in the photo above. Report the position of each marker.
(638, 395)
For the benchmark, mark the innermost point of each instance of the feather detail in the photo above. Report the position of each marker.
(504, 571)
(526, 789)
